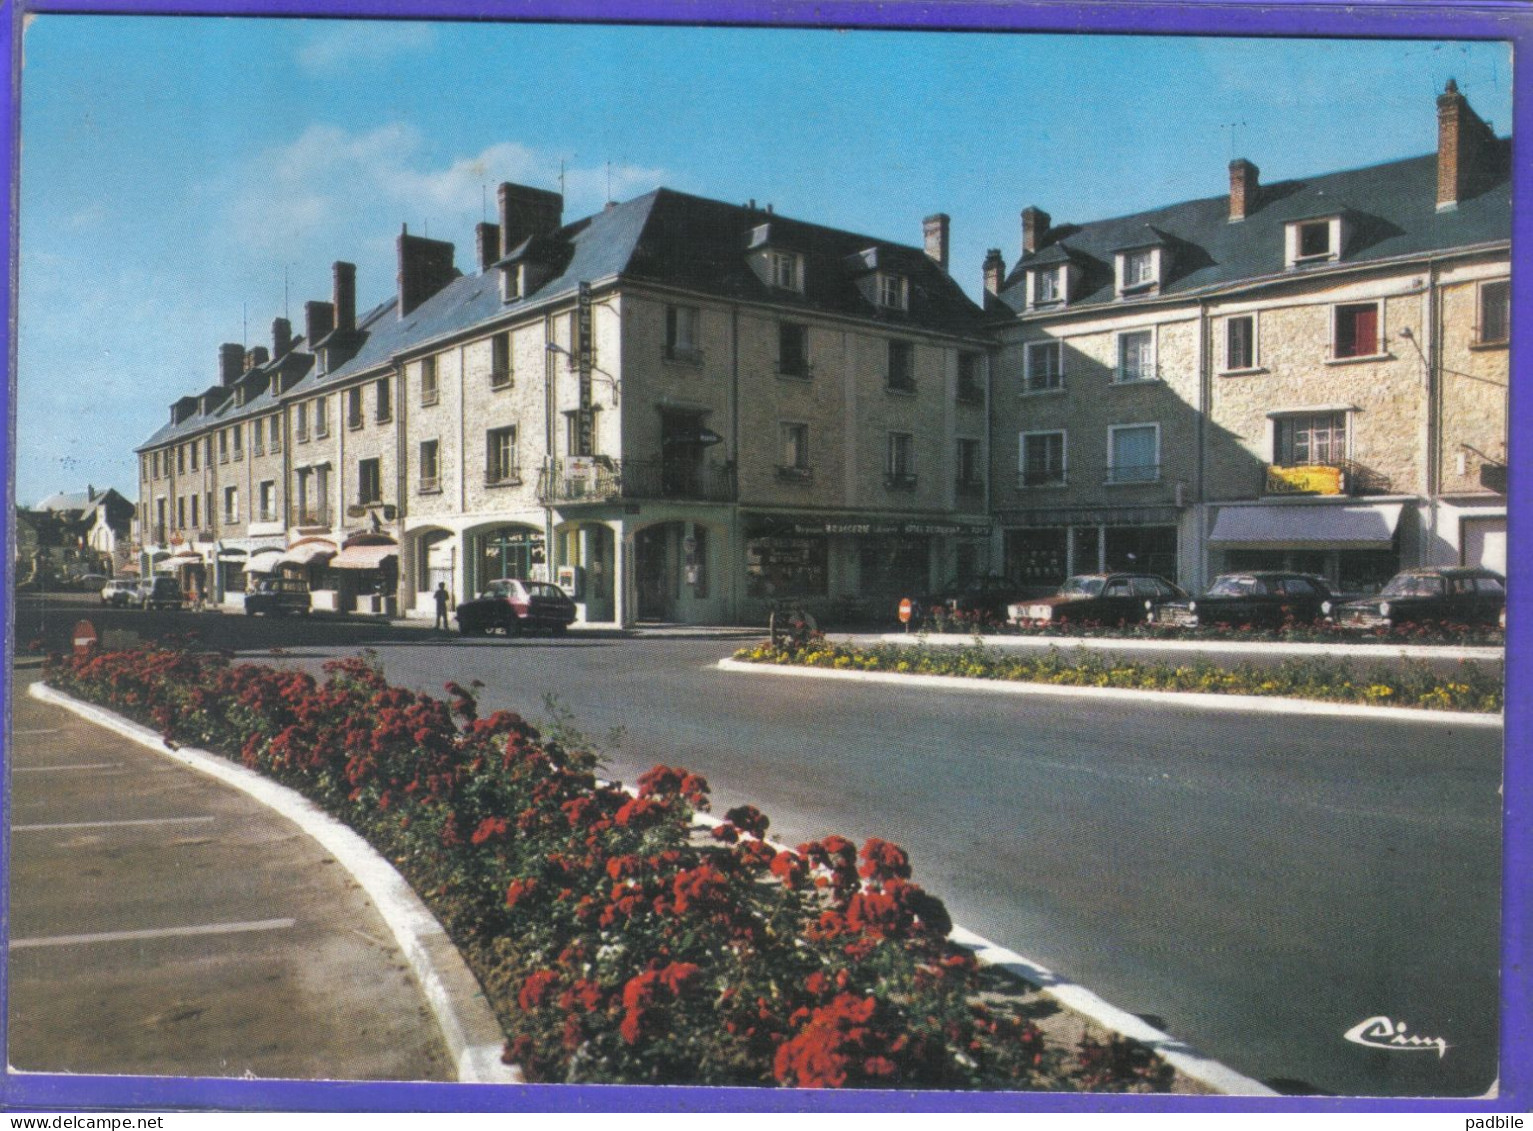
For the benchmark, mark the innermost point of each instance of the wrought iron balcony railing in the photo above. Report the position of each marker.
(600, 479)
(1333, 477)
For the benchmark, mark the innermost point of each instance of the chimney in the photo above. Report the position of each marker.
(995, 271)
(1465, 149)
(935, 231)
(1035, 225)
(319, 320)
(281, 337)
(1244, 186)
(345, 296)
(231, 362)
(527, 212)
(256, 356)
(487, 240)
(425, 267)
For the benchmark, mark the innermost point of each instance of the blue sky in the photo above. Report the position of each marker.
(175, 170)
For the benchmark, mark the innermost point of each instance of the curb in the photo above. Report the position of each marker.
(1180, 1055)
(462, 1013)
(1248, 704)
(1225, 647)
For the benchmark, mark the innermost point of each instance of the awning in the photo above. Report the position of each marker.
(363, 557)
(302, 553)
(1311, 527)
(263, 561)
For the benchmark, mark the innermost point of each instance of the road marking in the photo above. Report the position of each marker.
(49, 730)
(61, 769)
(108, 824)
(155, 933)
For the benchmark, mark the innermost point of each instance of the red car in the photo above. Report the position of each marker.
(514, 606)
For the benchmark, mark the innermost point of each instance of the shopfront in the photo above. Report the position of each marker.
(1356, 547)
(509, 551)
(366, 574)
(1042, 548)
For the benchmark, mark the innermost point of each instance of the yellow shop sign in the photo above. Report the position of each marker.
(1304, 480)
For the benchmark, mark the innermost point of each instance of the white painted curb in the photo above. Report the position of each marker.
(1218, 647)
(1245, 704)
(463, 1014)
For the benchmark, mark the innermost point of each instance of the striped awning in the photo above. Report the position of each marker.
(364, 557)
(302, 553)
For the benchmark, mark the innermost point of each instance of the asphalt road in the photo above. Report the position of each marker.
(1257, 885)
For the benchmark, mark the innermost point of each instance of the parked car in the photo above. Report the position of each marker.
(278, 596)
(1266, 598)
(88, 582)
(159, 593)
(1457, 594)
(987, 596)
(120, 591)
(1098, 598)
(515, 606)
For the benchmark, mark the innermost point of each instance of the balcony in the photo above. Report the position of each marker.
(1133, 473)
(1338, 477)
(900, 480)
(605, 479)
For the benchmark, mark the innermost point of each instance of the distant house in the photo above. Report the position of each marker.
(74, 533)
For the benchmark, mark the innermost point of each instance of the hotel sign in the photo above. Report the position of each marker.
(1308, 479)
(585, 421)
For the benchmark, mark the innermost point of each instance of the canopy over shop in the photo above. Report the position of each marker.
(1356, 546)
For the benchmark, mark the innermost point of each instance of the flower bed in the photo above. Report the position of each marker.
(1470, 688)
(615, 942)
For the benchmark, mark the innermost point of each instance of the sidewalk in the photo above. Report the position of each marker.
(164, 923)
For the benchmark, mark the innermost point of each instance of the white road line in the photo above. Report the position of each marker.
(49, 730)
(108, 824)
(155, 933)
(61, 769)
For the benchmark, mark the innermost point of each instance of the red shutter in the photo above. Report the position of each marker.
(1363, 338)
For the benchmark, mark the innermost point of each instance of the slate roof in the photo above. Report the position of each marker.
(663, 237)
(1391, 209)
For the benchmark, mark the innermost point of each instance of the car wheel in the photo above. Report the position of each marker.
(464, 629)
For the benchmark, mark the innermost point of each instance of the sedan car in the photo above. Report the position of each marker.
(278, 596)
(981, 598)
(120, 591)
(1266, 598)
(516, 606)
(1098, 598)
(1458, 594)
(159, 593)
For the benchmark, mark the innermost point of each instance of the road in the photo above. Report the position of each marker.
(1256, 889)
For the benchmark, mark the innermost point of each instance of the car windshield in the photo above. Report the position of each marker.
(543, 589)
(1082, 587)
(1236, 587)
(1414, 585)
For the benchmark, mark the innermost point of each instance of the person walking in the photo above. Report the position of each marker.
(442, 601)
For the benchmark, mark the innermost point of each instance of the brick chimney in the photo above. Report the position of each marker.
(487, 245)
(1244, 186)
(934, 229)
(281, 337)
(1035, 225)
(995, 271)
(231, 362)
(425, 267)
(527, 212)
(319, 320)
(345, 296)
(1465, 149)
(256, 356)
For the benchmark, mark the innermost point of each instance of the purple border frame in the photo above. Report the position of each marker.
(1508, 20)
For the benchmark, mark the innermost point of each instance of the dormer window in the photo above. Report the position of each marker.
(893, 291)
(783, 270)
(1048, 285)
(1314, 241)
(1138, 271)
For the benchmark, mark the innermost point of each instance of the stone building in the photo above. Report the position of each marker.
(1310, 374)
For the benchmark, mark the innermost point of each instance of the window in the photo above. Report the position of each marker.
(276, 433)
(793, 450)
(1041, 459)
(181, 460)
(1136, 357)
(268, 498)
(1314, 239)
(970, 380)
(313, 496)
(430, 467)
(792, 349)
(1356, 331)
(239, 441)
(500, 456)
(900, 471)
(574, 443)
(181, 512)
(782, 270)
(321, 417)
(231, 504)
(223, 445)
(1495, 313)
(383, 405)
(196, 518)
(500, 360)
(369, 482)
(902, 367)
(893, 291)
(1139, 268)
(967, 464)
(354, 407)
(258, 436)
(1043, 363)
(1310, 439)
(207, 457)
(1240, 342)
(1047, 288)
(194, 446)
(1133, 453)
(207, 505)
(428, 381)
(681, 334)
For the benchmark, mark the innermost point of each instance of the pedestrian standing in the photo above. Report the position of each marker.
(442, 600)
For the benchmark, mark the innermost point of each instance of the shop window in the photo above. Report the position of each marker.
(786, 567)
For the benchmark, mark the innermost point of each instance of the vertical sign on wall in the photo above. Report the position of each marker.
(585, 438)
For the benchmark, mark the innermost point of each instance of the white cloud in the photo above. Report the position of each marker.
(353, 43)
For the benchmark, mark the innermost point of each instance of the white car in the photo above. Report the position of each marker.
(120, 591)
